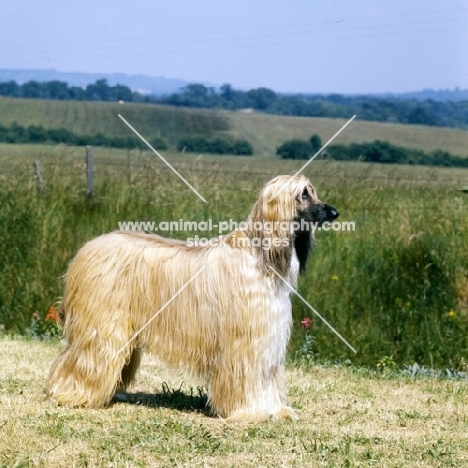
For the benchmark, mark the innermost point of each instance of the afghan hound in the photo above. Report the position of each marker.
(223, 311)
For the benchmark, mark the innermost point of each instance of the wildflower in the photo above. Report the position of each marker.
(334, 278)
(52, 314)
(306, 322)
(451, 314)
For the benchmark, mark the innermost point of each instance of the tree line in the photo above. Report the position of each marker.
(98, 91)
(396, 110)
(389, 109)
(16, 133)
(377, 151)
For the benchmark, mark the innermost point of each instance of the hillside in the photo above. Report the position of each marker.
(89, 118)
(349, 417)
(267, 132)
(264, 131)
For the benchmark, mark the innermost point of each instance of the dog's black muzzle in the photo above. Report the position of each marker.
(322, 213)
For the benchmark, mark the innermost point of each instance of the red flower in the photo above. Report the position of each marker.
(52, 314)
(306, 322)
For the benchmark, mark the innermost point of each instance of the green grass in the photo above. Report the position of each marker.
(395, 287)
(348, 417)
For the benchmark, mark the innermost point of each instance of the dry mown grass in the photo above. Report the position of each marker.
(348, 418)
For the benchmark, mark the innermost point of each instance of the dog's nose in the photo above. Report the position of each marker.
(334, 213)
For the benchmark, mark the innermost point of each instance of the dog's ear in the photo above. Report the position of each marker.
(278, 197)
(275, 210)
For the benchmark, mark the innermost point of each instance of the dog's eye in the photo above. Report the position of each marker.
(305, 194)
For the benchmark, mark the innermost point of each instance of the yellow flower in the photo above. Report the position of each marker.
(452, 314)
(334, 278)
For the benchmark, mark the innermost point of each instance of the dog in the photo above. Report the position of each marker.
(223, 312)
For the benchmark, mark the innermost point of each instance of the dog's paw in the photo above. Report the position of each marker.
(286, 412)
(258, 416)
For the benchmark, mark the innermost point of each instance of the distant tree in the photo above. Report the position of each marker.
(99, 91)
(32, 89)
(122, 93)
(421, 116)
(295, 149)
(261, 98)
(315, 143)
(10, 88)
(56, 90)
(227, 91)
(195, 95)
(338, 98)
(77, 93)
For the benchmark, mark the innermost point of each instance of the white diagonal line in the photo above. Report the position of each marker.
(313, 310)
(160, 310)
(164, 160)
(313, 157)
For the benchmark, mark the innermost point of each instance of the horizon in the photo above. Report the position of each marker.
(306, 47)
(113, 80)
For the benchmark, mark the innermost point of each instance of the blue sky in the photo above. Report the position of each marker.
(359, 46)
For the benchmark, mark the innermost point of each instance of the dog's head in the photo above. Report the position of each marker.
(288, 198)
(310, 208)
(290, 205)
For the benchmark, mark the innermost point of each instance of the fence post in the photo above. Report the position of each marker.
(89, 171)
(38, 177)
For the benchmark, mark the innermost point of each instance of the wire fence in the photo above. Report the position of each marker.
(141, 164)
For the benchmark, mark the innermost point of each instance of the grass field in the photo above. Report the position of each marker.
(265, 132)
(349, 417)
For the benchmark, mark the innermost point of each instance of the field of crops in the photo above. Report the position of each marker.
(265, 132)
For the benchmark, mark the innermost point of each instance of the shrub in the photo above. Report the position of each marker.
(37, 134)
(295, 149)
(216, 145)
(242, 148)
(315, 142)
(159, 143)
(60, 135)
(384, 152)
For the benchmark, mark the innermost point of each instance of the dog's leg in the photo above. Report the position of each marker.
(263, 401)
(129, 370)
(241, 394)
(248, 381)
(87, 374)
